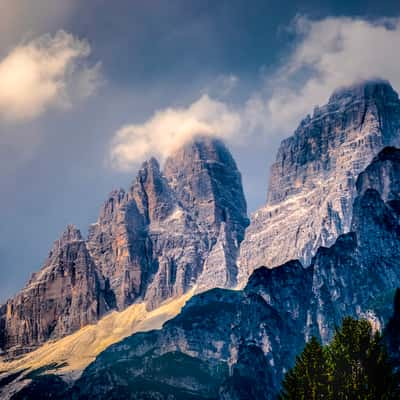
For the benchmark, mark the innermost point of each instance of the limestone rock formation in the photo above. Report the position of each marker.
(238, 344)
(181, 227)
(312, 182)
(65, 295)
(171, 231)
(175, 228)
(207, 184)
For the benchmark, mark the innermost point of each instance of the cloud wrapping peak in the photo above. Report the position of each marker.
(49, 71)
(169, 129)
(329, 53)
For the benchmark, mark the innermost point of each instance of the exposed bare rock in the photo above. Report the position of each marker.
(312, 183)
(382, 175)
(65, 295)
(232, 345)
(173, 229)
(119, 246)
(208, 188)
(181, 227)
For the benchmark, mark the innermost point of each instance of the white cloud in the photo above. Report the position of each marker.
(222, 86)
(328, 54)
(331, 53)
(168, 129)
(50, 71)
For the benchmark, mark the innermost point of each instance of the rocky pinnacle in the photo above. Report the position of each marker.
(312, 182)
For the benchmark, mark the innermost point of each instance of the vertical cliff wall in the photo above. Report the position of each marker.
(312, 182)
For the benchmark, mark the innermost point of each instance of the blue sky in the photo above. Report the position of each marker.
(85, 84)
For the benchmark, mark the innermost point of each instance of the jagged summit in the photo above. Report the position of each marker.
(174, 229)
(312, 183)
(270, 320)
(201, 147)
(66, 294)
(359, 94)
(178, 229)
(71, 234)
(371, 88)
(182, 226)
(205, 175)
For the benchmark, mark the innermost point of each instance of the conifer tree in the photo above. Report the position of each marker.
(358, 363)
(308, 380)
(354, 366)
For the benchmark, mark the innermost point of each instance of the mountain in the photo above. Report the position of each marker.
(162, 237)
(67, 357)
(312, 182)
(65, 295)
(172, 231)
(180, 229)
(238, 344)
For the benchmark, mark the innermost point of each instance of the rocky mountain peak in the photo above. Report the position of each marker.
(270, 320)
(207, 184)
(174, 227)
(208, 216)
(312, 183)
(111, 205)
(199, 154)
(172, 230)
(200, 148)
(151, 193)
(148, 172)
(205, 177)
(71, 234)
(67, 293)
(180, 227)
(372, 89)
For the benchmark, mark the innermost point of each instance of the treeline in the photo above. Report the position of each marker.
(354, 366)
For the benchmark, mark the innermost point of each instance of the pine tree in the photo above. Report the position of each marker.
(359, 364)
(355, 366)
(308, 380)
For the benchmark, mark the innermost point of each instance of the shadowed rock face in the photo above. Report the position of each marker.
(172, 230)
(312, 182)
(392, 333)
(238, 344)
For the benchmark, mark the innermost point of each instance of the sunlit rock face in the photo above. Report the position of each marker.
(65, 295)
(312, 182)
(173, 230)
(232, 345)
(205, 179)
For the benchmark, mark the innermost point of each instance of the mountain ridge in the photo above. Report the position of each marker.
(333, 202)
(223, 332)
(312, 182)
(171, 231)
